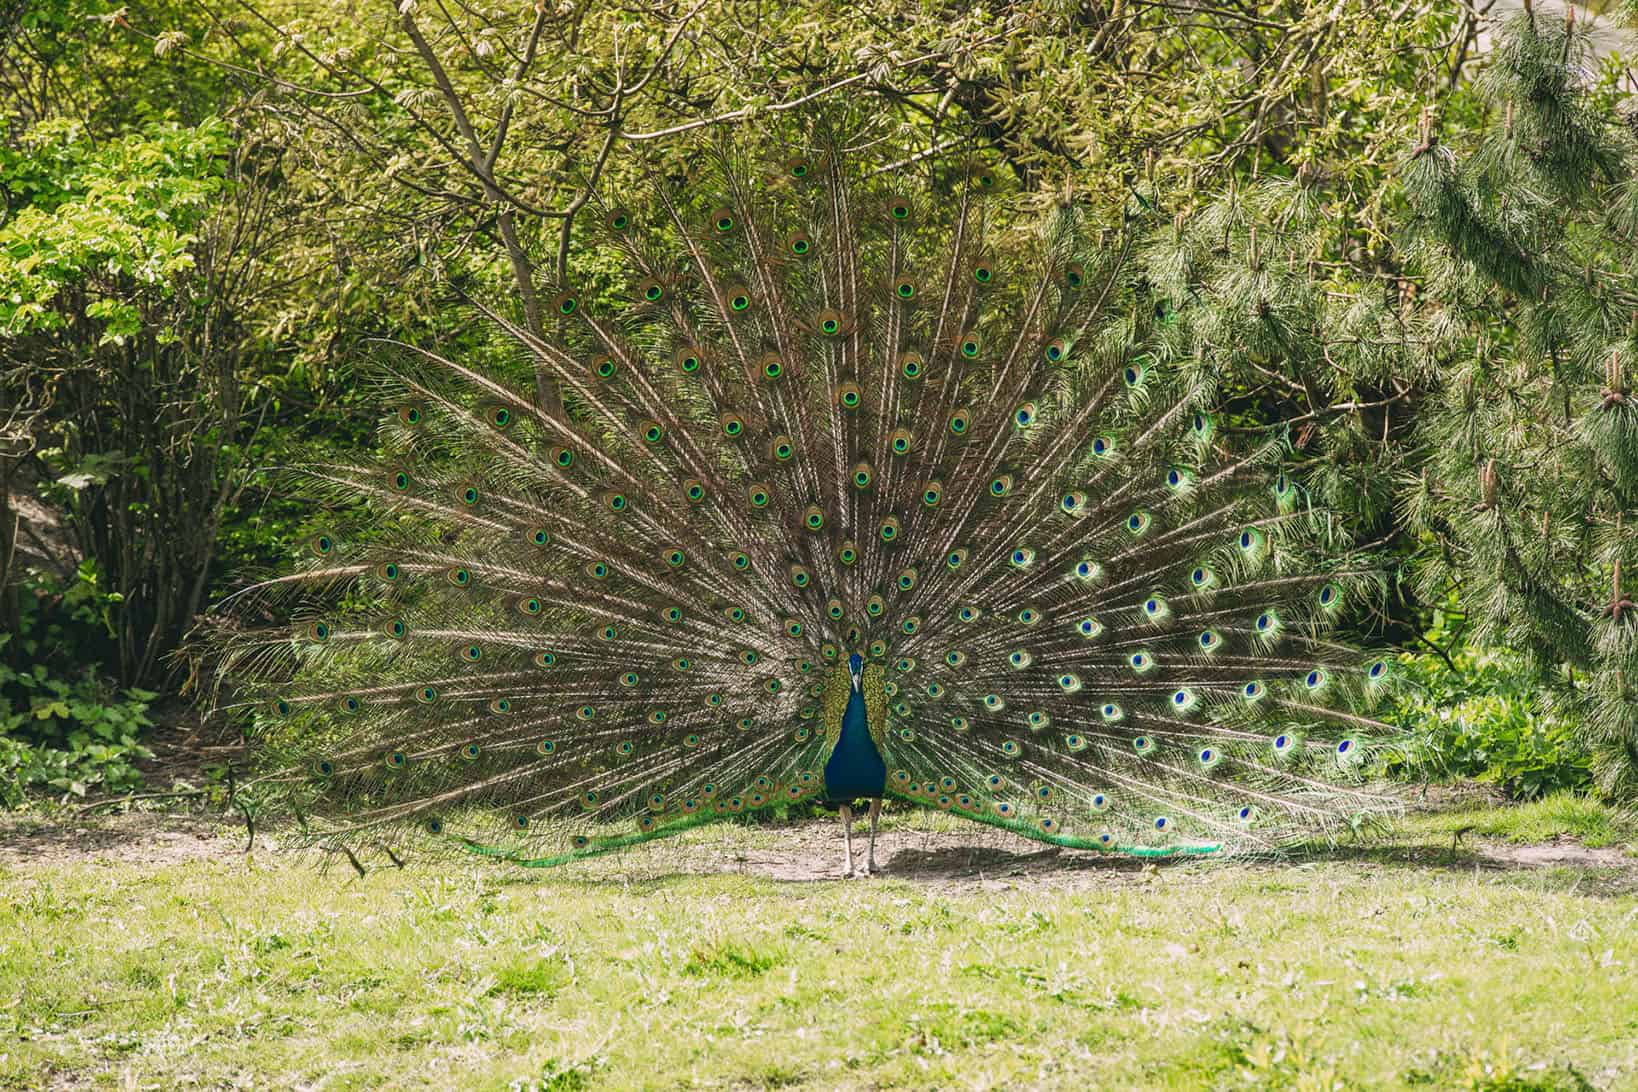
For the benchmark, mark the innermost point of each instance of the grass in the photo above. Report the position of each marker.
(1395, 966)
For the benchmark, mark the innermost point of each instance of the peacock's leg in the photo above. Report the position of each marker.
(875, 814)
(847, 840)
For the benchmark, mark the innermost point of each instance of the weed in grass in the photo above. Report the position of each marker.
(729, 960)
(540, 976)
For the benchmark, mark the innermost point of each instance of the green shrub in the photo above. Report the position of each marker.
(67, 736)
(1481, 716)
(62, 729)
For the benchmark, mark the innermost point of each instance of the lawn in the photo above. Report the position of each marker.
(1463, 950)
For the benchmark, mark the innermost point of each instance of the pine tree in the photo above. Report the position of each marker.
(1525, 245)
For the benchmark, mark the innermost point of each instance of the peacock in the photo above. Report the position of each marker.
(828, 484)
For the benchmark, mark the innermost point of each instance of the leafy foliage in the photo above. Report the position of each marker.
(63, 730)
(1480, 716)
(102, 226)
(68, 736)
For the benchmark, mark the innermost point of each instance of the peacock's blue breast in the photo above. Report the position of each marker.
(855, 769)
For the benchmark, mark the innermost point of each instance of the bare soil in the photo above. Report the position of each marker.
(811, 851)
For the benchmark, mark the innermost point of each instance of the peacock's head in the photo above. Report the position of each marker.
(855, 666)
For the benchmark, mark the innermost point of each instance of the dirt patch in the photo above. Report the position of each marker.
(810, 852)
(1559, 853)
(140, 838)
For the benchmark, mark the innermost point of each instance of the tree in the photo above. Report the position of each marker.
(467, 140)
(1525, 240)
(123, 277)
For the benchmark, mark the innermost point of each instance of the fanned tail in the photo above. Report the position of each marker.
(827, 413)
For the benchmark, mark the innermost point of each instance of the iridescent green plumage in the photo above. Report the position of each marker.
(829, 415)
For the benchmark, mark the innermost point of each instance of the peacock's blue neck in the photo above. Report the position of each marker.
(855, 722)
(855, 768)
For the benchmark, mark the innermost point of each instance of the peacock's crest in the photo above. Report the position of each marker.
(607, 587)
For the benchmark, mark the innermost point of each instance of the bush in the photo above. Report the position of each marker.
(1480, 716)
(62, 729)
(68, 736)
